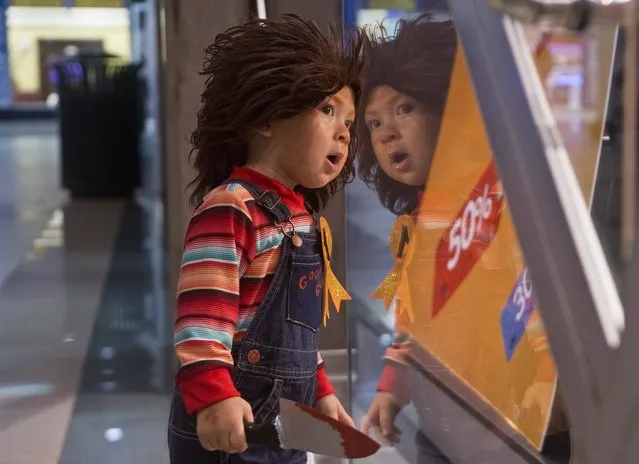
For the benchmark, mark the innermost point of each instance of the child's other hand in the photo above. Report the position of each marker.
(381, 418)
(221, 426)
(330, 406)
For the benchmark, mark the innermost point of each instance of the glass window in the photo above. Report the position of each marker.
(439, 283)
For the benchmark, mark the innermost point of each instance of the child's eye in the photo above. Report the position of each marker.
(374, 124)
(328, 110)
(349, 123)
(404, 109)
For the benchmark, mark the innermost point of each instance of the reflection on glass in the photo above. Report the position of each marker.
(468, 319)
(575, 70)
(468, 275)
(469, 304)
(584, 96)
(406, 83)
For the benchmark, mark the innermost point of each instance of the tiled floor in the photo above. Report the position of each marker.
(47, 309)
(29, 189)
(84, 355)
(79, 332)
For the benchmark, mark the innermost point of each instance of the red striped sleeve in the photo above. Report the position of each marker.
(218, 248)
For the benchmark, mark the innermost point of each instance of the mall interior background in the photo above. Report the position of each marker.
(87, 284)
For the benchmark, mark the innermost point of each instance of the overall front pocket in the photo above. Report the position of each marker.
(262, 393)
(269, 408)
(305, 292)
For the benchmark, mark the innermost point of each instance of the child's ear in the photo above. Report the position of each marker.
(265, 131)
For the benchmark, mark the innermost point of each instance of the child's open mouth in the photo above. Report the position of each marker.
(334, 159)
(401, 161)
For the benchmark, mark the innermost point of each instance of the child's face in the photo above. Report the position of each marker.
(310, 149)
(403, 135)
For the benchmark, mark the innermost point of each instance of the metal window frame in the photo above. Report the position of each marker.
(556, 241)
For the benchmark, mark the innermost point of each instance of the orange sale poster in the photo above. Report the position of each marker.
(471, 301)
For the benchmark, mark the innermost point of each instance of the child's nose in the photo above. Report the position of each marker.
(343, 133)
(389, 133)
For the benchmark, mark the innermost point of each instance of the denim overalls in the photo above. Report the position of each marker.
(278, 356)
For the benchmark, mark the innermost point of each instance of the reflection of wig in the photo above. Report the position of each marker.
(417, 62)
(260, 72)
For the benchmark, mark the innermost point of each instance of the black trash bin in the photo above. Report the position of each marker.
(100, 112)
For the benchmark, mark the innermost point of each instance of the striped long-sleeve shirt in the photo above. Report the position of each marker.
(231, 253)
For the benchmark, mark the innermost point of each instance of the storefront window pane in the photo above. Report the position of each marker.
(477, 366)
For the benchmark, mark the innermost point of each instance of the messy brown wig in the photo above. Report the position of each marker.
(262, 71)
(417, 62)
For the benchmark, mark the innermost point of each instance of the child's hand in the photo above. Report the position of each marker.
(331, 407)
(221, 426)
(381, 418)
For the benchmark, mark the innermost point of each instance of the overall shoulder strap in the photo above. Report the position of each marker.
(268, 200)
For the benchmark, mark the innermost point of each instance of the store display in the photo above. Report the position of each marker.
(473, 301)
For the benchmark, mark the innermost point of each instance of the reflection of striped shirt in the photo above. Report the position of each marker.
(397, 356)
(231, 252)
(394, 376)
